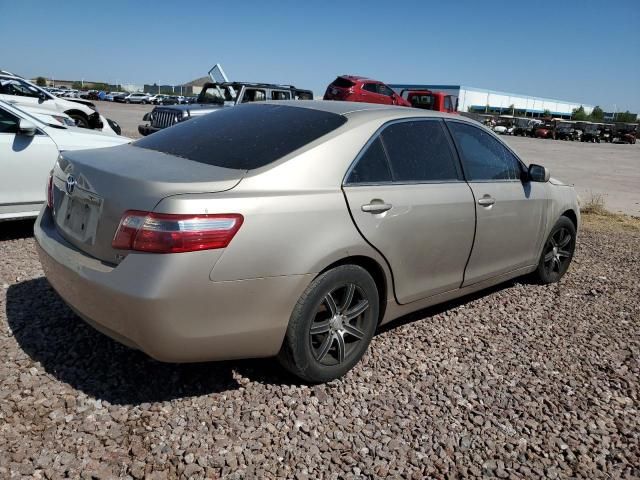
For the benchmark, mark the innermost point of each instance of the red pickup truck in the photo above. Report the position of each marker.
(429, 100)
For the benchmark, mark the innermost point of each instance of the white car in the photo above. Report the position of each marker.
(20, 92)
(139, 97)
(54, 119)
(29, 147)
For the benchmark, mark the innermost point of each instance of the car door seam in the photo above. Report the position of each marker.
(475, 206)
(353, 220)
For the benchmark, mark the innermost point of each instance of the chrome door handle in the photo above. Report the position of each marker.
(486, 201)
(376, 207)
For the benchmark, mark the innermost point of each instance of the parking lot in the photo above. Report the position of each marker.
(610, 170)
(520, 381)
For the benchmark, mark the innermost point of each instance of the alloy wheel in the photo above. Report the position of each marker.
(558, 251)
(338, 325)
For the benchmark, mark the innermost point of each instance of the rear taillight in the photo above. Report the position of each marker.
(50, 191)
(169, 233)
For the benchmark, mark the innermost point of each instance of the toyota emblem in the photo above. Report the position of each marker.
(71, 184)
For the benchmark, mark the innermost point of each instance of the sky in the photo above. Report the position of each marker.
(582, 51)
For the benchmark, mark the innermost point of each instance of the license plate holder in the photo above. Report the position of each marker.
(80, 216)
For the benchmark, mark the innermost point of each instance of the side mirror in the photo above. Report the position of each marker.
(538, 173)
(43, 97)
(26, 128)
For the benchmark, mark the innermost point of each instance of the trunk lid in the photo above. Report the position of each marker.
(93, 188)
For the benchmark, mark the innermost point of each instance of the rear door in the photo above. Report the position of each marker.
(371, 93)
(511, 213)
(25, 162)
(407, 198)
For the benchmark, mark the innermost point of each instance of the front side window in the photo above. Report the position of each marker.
(384, 90)
(419, 151)
(8, 122)
(372, 166)
(483, 157)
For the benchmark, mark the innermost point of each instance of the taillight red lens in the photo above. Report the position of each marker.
(170, 233)
(50, 191)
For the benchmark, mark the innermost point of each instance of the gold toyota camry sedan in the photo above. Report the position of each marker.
(294, 229)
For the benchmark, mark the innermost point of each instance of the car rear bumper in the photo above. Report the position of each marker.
(165, 305)
(147, 129)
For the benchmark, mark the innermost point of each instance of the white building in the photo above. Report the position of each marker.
(480, 100)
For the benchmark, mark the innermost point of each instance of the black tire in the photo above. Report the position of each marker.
(316, 357)
(81, 120)
(127, 101)
(557, 252)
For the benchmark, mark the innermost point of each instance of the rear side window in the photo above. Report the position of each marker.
(243, 137)
(372, 167)
(342, 82)
(370, 87)
(483, 157)
(419, 151)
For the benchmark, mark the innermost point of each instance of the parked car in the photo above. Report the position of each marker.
(504, 125)
(18, 91)
(215, 96)
(565, 131)
(607, 133)
(30, 141)
(157, 99)
(139, 97)
(545, 129)
(626, 133)
(429, 100)
(590, 131)
(120, 97)
(352, 88)
(172, 100)
(221, 238)
(525, 126)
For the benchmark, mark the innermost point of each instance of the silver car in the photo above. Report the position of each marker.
(295, 229)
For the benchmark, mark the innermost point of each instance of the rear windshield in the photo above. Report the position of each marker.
(243, 137)
(343, 83)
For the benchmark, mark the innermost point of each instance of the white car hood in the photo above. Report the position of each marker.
(74, 138)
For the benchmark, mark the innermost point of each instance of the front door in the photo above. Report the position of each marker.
(25, 162)
(511, 213)
(408, 200)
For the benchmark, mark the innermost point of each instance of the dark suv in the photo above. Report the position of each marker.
(215, 96)
(351, 88)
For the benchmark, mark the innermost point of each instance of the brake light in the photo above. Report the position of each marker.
(50, 190)
(170, 233)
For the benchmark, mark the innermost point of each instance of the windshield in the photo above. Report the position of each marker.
(20, 88)
(218, 94)
(244, 137)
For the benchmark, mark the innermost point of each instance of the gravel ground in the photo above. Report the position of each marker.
(522, 381)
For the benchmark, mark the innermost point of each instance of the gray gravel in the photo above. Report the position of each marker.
(522, 381)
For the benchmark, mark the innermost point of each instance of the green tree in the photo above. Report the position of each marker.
(626, 117)
(579, 114)
(41, 82)
(546, 113)
(597, 115)
(76, 85)
(512, 109)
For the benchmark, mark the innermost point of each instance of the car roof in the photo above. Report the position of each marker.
(360, 79)
(366, 111)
